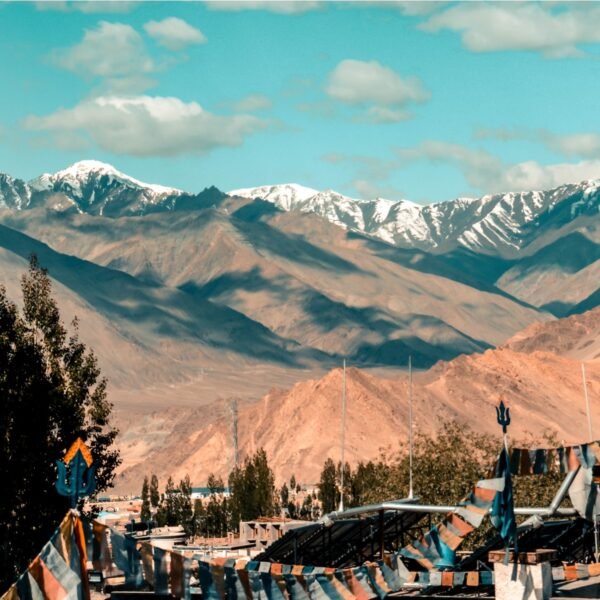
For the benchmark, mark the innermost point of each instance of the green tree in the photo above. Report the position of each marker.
(446, 468)
(215, 485)
(199, 519)
(307, 508)
(183, 505)
(291, 508)
(145, 514)
(293, 483)
(154, 493)
(252, 489)
(328, 489)
(284, 494)
(51, 392)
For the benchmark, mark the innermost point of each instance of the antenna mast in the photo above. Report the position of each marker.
(341, 508)
(587, 403)
(234, 432)
(410, 430)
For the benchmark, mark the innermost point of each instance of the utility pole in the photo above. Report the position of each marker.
(234, 432)
(587, 404)
(410, 430)
(341, 507)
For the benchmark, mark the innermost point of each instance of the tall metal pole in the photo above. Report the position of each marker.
(234, 432)
(410, 430)
(587, 404)
(343, 437)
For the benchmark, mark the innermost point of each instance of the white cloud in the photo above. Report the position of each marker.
(531, 175)
(480, 168)
(361, 82)
(88, 6)
(489, 174)
(148, 125)
(287, 7)
(485, 172)
(174, 33)
(112, 50)
(367, 188)
(554, 31)
(407, 7)
(383, 92)
(254, 103)
(574, 145)
(383, 114)
(585, 145)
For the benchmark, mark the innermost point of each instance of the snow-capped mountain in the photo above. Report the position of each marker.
(14, 193)
(500, 223)
(97, 188)
(347, 212)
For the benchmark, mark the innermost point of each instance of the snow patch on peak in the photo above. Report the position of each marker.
(286, 195)
(82, 171)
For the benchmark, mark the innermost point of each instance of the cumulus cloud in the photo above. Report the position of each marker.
(88, 6)
(480, 168)
(287, 7)
(362, 82)
(575, 145)
(488, 173)
(113, 51)
(174, 33)
(254, 103)
(383, 92)
(148, 125)
(554, 31)
(485, 172)
(365, 188)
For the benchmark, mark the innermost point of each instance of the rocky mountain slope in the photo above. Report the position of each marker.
(298, 277)
(537, 374)
(501, 224)
(541, 247)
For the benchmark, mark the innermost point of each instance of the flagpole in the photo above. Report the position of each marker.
(341, 508)
(410, 430)
(587, 403)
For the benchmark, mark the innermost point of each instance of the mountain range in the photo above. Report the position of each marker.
(191, 298)
(537, 373)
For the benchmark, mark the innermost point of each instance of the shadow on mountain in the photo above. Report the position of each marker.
(423, 354)
(564, 212)
(256, 211)
(569, 254)
(329, 314)
(162, 311)
(558, 309)
(248, 281)
(291, 247)
(480, 271)
(590, 302)
(210, 197)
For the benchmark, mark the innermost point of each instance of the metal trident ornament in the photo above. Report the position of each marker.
(81, 480)
(503, 416)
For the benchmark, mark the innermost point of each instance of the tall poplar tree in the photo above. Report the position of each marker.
(51, 392)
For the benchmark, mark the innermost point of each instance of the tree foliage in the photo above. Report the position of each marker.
(445, 469)
(51, 392)
(252, 489)
(145, 514)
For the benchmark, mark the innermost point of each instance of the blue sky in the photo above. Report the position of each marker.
(425, 101)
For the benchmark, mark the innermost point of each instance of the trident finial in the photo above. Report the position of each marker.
(503, 416)
(80, 479)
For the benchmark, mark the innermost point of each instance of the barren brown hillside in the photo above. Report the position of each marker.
(300, 427)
